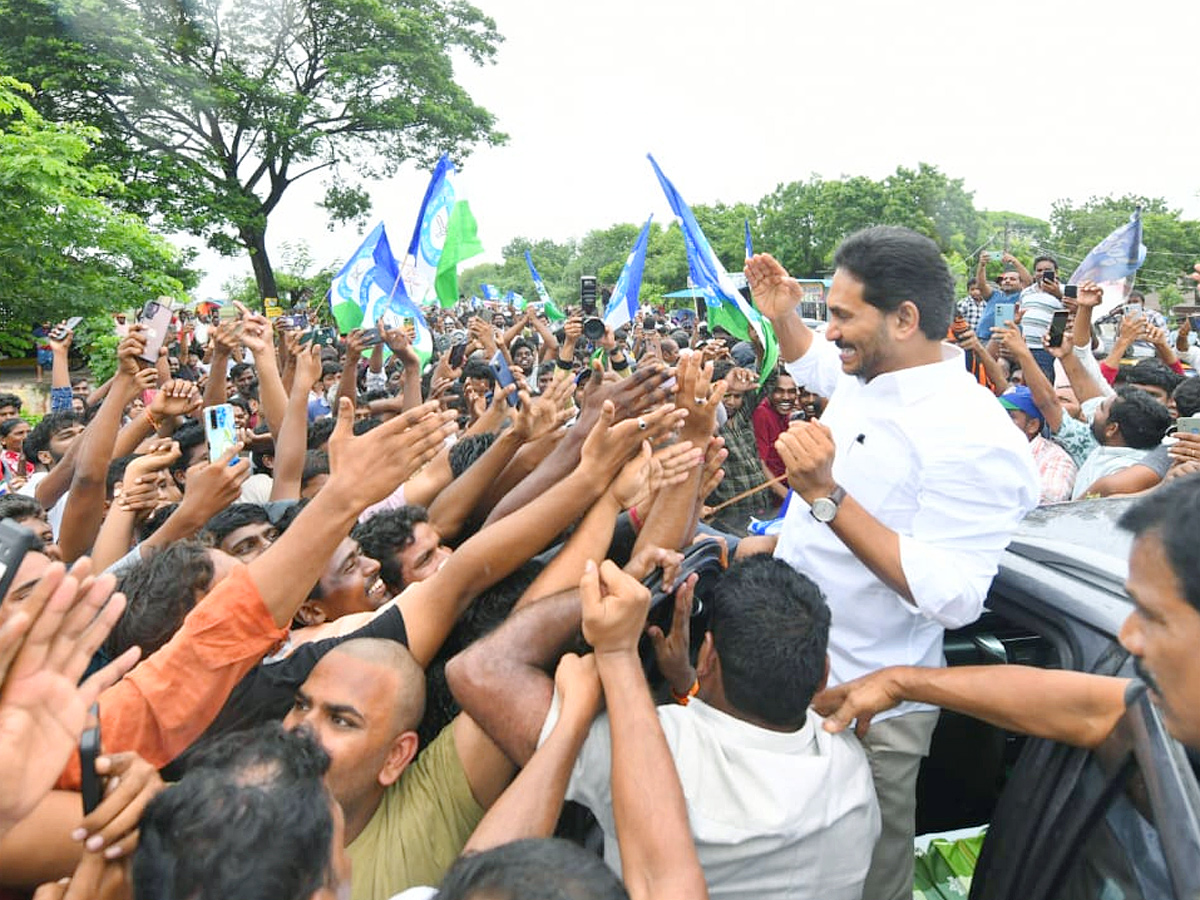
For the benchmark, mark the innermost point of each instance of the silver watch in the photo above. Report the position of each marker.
(824, 509)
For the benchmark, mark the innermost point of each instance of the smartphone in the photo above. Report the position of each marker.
(1135, 312)
(504, 377)
(1004, 314)
(227, 314)
(15, 542)
(89, 749)
(220, 431)
(58, 332)
(458, 353)
(325, 337)
(1058, 327)
(1049, 276)
(1071, 291)
(155, 319)
(371, 337)
(1188, 424)
(294, 320)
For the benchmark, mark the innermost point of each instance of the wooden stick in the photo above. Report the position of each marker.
(744, 494)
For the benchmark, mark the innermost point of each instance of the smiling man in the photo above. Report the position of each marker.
(888, 517)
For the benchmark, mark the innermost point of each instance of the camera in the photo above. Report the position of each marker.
(593, 328)
(587, 293)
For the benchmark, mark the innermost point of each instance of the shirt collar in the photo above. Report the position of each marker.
(917, 382)
(745, 734)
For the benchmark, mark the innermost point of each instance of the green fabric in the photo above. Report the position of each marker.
(733, 320)
(943, 872)
(461, 243)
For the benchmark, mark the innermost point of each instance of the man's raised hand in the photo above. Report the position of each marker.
(614, 608)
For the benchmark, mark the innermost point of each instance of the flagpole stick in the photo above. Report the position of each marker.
(744, 494)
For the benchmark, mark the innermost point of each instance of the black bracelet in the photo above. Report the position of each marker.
(564, 364)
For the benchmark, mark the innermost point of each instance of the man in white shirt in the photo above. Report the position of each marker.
(892, 519)
(776, 811)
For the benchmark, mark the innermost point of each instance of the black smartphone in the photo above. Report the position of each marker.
(1048, 276)
(15, 542)
(1058, 327)
(458, 353)
(371, 337)
(89, 750)
(1071, 291)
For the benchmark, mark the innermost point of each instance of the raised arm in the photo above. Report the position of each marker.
(981, 279)
(258, 338)
(398, 342)
(658, 857)
(1035, 379)
(292, 439)
(776, 295)
(1074, 708)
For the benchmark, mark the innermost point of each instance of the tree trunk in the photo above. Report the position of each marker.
(255, 242)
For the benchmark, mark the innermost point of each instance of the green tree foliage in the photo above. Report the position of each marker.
(211, 109)
(1171, 241)
(64, 249)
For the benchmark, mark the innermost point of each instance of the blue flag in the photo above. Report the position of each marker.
(429, 234)
(623, 304)
(1116, 257)
(489, 292)
(726, 306)
(369, 288)
(749, 243)
(549, 306)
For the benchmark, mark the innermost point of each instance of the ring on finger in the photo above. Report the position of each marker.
(642, 426)
(700, 401)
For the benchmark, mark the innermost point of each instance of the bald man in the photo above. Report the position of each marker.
(406, 821)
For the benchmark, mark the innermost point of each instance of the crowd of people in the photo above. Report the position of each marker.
(423, 629)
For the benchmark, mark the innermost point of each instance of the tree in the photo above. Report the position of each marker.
(211, 109)
(64, 249)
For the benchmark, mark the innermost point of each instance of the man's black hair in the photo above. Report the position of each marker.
(522, 342)
(116, 472)
(240, 403)
(896, 264)
(1187, 396)
(230, 519)
(477, 369)
(1046, 258)
(188, 436)
(532, 869)
(770, 627)
(160, 591)
(252, 821)
(319, 432)
(238, 368)
(41, 433)
(19, 507)
(259, 452)
(1171, 513)
(11, 400)
(468, 449)
(329, 367)
(373, 395)
(1142, 419)
(156, 520)
(316, 462)
(1153, 373)
(385, 534)
(362, 426)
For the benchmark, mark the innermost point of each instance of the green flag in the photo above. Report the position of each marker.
(461, 243)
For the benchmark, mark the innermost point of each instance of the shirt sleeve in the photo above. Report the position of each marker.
(819, 369)
(60, 399)
(1058, 477)
(172, 696)
(1088, 360)
(1109, 373)
(953, 549)
(1076, 438)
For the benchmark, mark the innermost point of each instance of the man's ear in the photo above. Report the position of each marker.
(311, 613)
(403, 750)
(908, 319)
(707, 661)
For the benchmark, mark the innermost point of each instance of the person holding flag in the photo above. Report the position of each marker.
(548, 306)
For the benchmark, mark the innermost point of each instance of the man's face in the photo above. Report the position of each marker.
(733, 400)
(328, 381)
(784, 395)
(241, 418)
(859, 329)
(33, 567)
(351, 583)
(9, 412)
(1156, 391)
(670, 351)
(1040, 268)
(424, 556)
(41, 527)
(543, 381)
(1029, 427)
(1163, 632)
(348, 705)
(523, 357)
(1100, 420)
(244, 381)
(974, 292)
(250, 541)
(1009, 282)
(477, 387)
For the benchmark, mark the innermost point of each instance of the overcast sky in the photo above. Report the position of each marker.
(1027, 102)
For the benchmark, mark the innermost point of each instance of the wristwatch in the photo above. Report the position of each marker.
(824, 509)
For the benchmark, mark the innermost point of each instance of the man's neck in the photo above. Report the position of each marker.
(358, 816)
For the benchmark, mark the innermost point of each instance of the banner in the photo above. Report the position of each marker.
(726, 308)
(369, 288)
(623, 304)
